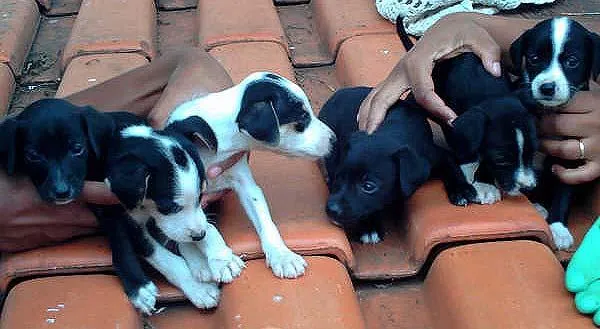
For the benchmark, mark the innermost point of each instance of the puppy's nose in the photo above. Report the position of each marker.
(198, 236)
(547, 89)
(62, 191)
(333, 209)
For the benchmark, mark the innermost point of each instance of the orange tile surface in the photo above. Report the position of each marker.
(338, 20)
(368, 59)
(241, 59)
(431, 221)
(7, 86)
(222, 22)
(80, 301)
(18, 24)
(259, 300)
(89, 70)
(510, 284)
(113, 26)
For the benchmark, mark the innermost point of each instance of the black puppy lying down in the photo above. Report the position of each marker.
(59, 145)
(368, 173)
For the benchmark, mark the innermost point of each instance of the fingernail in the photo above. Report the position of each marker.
(496, 69)
(215, 171)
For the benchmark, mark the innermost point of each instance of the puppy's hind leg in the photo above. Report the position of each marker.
(124, 238)
(283, 262)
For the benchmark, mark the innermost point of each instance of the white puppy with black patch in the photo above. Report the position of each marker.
(264, 111)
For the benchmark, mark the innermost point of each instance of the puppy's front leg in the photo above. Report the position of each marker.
(176, 271)
(283, 262)
(211, 259)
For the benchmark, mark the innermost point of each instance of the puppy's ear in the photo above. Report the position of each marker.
(596, 55)
(195, 129)
(99, 128)
(516, 52)
(414, 170)
(259, 120)
(468, 131)
(128, 180)
(10, 144)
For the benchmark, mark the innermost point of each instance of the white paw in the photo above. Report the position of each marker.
(541, 210)
(370, 238)
(561, 235)
(202, 273)
(486, 193)
(226, 269)
(145, 299)
(286, 264)
(202, 294)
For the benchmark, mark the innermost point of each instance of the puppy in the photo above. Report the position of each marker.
(493, 127)
(555, 59)
(59, 145)
(264, 111)
(158, 176)
(366, 174)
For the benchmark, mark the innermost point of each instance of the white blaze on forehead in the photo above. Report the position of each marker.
(520, 143)
(554, 72)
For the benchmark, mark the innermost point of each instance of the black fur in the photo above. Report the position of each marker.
(368, 173)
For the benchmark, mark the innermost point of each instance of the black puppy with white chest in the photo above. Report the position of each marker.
(555, 59)
(369, 173)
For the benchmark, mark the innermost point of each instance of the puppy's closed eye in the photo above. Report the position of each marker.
(168, 207)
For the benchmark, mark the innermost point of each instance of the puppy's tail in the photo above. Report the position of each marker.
(404, 36)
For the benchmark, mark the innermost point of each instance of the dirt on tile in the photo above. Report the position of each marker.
(176, 4)
(176, 29)
(319, 83)
(43, 62)
(25, 95)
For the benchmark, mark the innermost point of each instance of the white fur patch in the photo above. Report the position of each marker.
(554, 72)
(145, 299)
(469, 170)
(524, 177)
(561, 236)
(541, 210)
(370, 238)
(486, 193)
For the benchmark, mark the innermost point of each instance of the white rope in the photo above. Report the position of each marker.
(419, 15)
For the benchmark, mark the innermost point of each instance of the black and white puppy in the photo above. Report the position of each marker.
(158, 176)
(368, 174)
(264, 111)
(493, 127)
(59, 145)
(555, 59)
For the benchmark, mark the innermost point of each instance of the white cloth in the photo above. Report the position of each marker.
(419, 15)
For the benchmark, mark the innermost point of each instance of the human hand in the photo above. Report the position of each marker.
(214, 171)
(449, 37)
(579, 121)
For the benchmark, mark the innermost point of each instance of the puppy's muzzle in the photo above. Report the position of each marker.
(548, 89)
(334, 210)
(198, 236)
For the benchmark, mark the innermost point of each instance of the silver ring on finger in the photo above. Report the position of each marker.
(581, 150)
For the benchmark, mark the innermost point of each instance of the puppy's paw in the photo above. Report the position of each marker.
(202, 273)
(486, 193)
(202, 294)
(561, 235)
(541, 210)
(144, 299)
(370, 238)
(227, 268)
(462, 195)
(286, 264)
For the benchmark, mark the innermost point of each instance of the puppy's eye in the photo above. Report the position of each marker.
(303, 121)
(572, 62)
(534, 60)
(33, 156)
(77, 149)
(369, 187)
